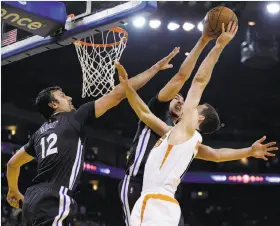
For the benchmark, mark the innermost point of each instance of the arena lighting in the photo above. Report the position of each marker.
(200, 26)
(273, 8)
(173, 26)
(251, 23)
(188, 26)
(155, 23)
(94, 184)
(13, 129)
(139, 22)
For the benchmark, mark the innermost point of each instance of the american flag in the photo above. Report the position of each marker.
(9, 37)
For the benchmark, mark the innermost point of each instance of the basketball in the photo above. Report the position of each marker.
(214, 19)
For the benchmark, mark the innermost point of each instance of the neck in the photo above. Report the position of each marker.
(174, 119)
(55, 113)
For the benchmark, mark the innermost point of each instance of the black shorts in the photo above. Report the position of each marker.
(130, 189)
(48, 204)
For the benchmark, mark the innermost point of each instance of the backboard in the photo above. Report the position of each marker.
(90, 18)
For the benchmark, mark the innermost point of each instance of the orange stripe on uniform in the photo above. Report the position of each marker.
(166, 154)
(156, 196)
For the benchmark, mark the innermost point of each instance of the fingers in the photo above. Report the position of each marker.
(229, 26)
(174, 52)
(272, 149)
(262, 139)
(264, 158)
(13, 202)
(269, 154)
(121, 70)
(223, 27)
(235, 31)
(233, 27)
(269, 144)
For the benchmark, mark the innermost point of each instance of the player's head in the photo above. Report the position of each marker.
(208, 119)
(52, 100)
(176, 106)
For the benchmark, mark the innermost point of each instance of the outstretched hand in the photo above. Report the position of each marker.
(259, 150)
(122, 74)
(227, 35)
(163, 64)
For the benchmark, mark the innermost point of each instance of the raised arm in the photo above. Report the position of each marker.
(113, 98)
(203, 76)
(257, 150)
(140, 108)
(169, 91)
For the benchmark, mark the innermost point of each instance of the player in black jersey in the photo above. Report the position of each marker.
(167, 106)
(58, 147)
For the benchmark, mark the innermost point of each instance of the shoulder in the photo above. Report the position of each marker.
(198, 136)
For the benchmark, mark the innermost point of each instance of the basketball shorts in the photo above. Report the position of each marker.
(48, 204)
(154, 209)
(130, 189)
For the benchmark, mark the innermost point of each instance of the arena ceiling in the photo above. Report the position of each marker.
(246, 98)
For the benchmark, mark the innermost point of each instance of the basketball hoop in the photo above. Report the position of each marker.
(97, 55)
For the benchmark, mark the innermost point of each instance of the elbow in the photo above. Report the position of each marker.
(11, 164)
(199, 79)
(119, 93)
(216, 157)
(116, 97)
(181, 77)
(143, 116)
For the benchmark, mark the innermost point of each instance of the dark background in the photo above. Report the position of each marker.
(246, 97)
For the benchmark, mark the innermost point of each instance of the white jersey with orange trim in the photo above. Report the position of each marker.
(167, 163)
(164, 170)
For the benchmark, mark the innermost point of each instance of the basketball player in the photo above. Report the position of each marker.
(168, 111)
(174, 152)
(58, 147)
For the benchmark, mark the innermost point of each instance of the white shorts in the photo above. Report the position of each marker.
(154, 209)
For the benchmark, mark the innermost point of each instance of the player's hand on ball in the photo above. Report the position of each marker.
(205, 37)
(164, 63)
(228, 34)
(13, 198)
(259, 150)
(122, 73)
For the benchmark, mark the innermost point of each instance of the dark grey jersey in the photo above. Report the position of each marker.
(58, 147)
(145, 139)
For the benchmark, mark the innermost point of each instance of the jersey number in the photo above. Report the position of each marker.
(51, 142)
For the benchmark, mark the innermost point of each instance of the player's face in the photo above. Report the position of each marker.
(176, 106)
(63, 103)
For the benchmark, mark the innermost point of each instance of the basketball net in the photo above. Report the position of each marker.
(97, 60)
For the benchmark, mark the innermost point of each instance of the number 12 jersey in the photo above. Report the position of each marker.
(58, 147)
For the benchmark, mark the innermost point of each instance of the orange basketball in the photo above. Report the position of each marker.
(214, 19)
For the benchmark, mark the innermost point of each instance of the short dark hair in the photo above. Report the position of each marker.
(211, 122)
(43, 99)
(181, 95)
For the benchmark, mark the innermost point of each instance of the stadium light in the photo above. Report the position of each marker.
(188, 26)
(139, 22)
(173, 26)
(251, 23)
(155, 23)
(273, 8)
(200, 26)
